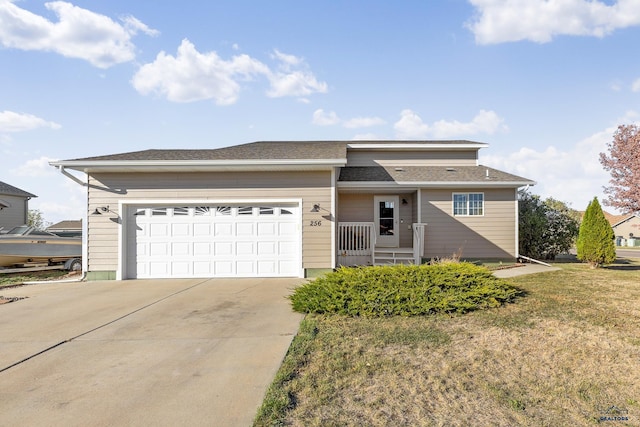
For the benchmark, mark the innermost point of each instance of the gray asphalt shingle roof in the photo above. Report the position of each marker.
(261, 150)
(427, 174)
(284, 150)
(10, 190)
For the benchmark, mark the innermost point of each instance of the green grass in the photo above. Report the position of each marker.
(561, 355)
(12, 279)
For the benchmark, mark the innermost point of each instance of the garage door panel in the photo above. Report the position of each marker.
(244, 249)
(183, 230)
(215, 241)
(245, 229)
(202, 230)
(158, 230)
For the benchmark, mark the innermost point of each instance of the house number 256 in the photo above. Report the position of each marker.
(316, 223)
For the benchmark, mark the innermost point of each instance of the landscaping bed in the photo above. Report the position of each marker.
(565, 354)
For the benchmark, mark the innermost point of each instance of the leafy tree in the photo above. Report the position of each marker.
(35, 219)
(623, 162)
(546, 228)
(595, 242)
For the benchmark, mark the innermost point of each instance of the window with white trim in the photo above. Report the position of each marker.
(468, 204)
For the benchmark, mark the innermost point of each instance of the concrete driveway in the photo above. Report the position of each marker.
(142, 352)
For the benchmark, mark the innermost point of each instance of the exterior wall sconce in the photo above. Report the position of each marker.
(100, 210)
(404, 202)
(316, 207)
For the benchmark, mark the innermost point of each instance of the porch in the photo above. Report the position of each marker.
(357, 244)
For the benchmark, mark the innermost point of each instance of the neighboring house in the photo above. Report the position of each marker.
(14, 207)
(68, 228)
(293, 208)
(627, 229)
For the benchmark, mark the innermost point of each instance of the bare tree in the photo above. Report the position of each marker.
(623, 162)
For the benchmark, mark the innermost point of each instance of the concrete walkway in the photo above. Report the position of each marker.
(522, 270)
(144, 352)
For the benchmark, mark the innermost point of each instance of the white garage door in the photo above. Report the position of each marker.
(214, 241)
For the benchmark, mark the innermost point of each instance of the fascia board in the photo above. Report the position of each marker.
(434, 184)
(105, 165)
(409, 146)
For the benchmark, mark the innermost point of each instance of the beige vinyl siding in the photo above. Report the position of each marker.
(355, 207)
(492, 235)
(631, 225)
(312, 187)
(411, 158)
(15, 215)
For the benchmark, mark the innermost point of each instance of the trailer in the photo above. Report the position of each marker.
(68, 264)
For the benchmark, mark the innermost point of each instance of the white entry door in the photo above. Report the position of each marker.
(386, 221)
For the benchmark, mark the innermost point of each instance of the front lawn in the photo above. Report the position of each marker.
(565, 354)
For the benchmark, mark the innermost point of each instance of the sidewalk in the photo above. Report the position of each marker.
(522, 270)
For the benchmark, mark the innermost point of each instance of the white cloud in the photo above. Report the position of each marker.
(411, 126)
(36, 168)
(363, 122)
(79, 33)
(573, 175)
(293, 78)
(635, 86)
(320, 118)
(18, 122)
(499, 21)
(193, 76)
(133, 25)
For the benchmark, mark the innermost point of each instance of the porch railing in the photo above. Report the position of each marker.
(356, 242)
(419, 230)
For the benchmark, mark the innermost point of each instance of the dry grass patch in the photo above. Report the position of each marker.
(562, 355)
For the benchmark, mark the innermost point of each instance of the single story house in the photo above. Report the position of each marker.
(14, 207)
(66, 228)
(627, 230)
(293, 208)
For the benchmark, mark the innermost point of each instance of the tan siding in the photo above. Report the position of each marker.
(490, 236)
(411, 158)
(629, 226)
(312, 187)
(359, 207)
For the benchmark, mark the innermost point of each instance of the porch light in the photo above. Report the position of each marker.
(100, 210)
(316, 207)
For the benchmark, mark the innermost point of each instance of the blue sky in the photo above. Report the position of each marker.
(545, 83)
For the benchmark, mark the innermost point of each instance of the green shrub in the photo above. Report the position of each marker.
(595, 243)
(405, 290)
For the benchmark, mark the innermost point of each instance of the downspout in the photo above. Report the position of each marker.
(85, 222)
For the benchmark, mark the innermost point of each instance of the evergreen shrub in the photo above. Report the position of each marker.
(405, 290)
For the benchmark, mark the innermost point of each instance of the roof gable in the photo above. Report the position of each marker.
(10, 190)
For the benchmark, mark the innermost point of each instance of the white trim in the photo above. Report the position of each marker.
(467, 193)
(432, 184)
(125, 204)
(207, 165)
(517, 225)
(334, 214)
(413, 146)
(419, 202)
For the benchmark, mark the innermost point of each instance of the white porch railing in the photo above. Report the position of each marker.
(356, 242)
(419, 230)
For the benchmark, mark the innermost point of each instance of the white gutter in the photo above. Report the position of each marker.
(85, 219)
(82, 164)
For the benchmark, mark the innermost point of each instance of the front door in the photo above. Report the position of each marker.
(386, 219)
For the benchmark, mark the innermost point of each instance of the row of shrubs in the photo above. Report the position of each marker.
(405, 290)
